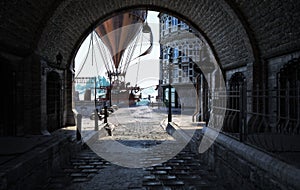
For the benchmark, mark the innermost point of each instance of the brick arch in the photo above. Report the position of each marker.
(73, 21)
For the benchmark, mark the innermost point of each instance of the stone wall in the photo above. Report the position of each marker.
(244, 167)
(239, 165)
(187, 95)
(273, 24)
(273, 66)
(33, 169)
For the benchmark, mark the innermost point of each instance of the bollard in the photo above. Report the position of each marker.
(105, 114)
(96, 120)
(78, 129)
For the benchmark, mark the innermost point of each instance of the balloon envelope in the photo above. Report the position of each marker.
(119, 31)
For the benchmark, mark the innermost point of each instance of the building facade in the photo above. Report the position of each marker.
(183, 52)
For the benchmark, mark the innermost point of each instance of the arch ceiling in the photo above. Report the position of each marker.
(237, 30)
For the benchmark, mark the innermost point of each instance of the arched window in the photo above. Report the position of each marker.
(288, 101)
(174, 21)
(232, 119)
(174, 24)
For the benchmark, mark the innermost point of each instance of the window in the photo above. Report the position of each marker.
(167, 24)
(197, 53)
(288, 81)
(175, 73)
(166, 56)
(166, 53)
(174, 21)
(176, 53)
(185, 71)
(185, 54)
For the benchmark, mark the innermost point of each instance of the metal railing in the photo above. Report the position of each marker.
(268, 119)
(274, 123)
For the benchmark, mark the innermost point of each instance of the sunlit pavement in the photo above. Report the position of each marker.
(136, 127)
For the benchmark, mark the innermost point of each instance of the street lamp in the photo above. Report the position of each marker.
(109, 73)
(171, 51)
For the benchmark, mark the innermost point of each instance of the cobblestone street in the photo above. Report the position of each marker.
(138, 128)
(139, 123)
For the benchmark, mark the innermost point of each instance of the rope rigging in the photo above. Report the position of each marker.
(84, 62)
(137, 72)
(114, 44)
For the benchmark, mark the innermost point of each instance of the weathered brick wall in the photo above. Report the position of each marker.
(25, 25)
(274, 24)
(218, 23)
(27, 86)
(35, 94)
(32, 94)
(21, 22)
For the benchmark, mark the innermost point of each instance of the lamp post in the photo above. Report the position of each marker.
(170, 87)
(170, 96)
(110, 86)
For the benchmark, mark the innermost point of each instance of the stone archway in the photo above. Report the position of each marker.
(71, 22)
(222, 28)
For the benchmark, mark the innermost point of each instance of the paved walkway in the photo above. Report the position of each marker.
(12, 147)
(138, 133)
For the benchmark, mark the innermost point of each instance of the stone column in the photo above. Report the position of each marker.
(70, 116)
(44, 130)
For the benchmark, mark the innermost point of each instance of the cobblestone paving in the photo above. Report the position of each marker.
(81, 168)
(141, 123)
(183, 171)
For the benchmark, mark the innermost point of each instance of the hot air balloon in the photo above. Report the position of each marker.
(117, 33)
(120, 35)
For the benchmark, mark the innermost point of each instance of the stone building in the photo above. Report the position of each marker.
(183, 51)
